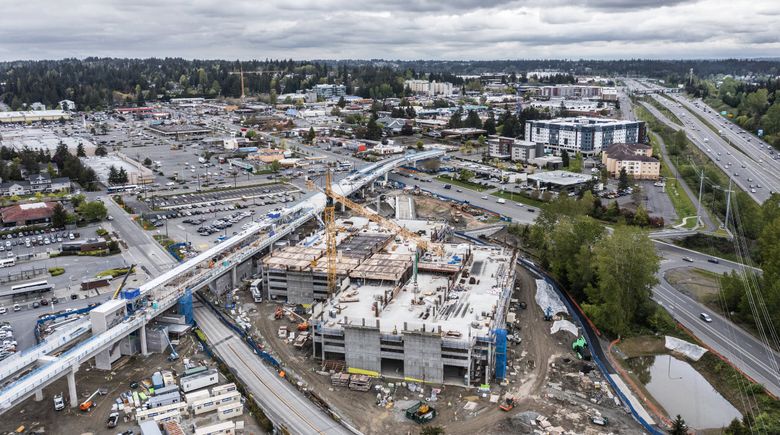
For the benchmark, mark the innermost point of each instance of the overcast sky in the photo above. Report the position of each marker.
(388, 29)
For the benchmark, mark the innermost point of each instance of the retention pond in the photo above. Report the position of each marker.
(680, 389)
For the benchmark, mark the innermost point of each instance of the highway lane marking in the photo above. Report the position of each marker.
(727, 343)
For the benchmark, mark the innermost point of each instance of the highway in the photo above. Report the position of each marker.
(755, 175)
(281, 402)
(737, 345)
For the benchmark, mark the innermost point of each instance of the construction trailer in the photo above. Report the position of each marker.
(211, 403)
(200, 380)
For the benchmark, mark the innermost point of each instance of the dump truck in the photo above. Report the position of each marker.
(421, 413)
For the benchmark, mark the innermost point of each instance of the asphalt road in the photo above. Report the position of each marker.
(281, 402)
(142, 249)
(737, 345)
(729, 158)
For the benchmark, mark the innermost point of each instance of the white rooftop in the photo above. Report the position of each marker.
(466, 310)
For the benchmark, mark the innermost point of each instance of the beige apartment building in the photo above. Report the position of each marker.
(635, 157)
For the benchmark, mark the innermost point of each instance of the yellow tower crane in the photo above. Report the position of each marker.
(379, 219)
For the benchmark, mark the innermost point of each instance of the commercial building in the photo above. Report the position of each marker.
(517, 150)
(325, 91)
(559, 180)
(577, 91)
(430, 89)
(27, 214)
(636, 158)
(581, 134)
(179, 131)
(33, 116)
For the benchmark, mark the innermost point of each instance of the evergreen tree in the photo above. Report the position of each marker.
(113, 175)
(455, 120)
(101, 151)
(472, 120)
(122, 176)
(80, 150)
(565, 158)
(678, 426)
(623, 180)
(490, 124)
(59, 216)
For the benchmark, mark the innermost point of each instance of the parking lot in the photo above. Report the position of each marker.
(268, 192)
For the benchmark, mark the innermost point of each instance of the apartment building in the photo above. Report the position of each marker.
(583, 134)
(517, 150)
(429, 88)
(325, 91)
(636, 158)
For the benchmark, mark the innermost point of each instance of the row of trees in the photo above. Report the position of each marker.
(757, 105)
(610, 274)
(67, 165)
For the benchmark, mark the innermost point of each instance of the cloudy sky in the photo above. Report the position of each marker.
(390, 29)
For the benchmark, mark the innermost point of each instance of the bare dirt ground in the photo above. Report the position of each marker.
(40, 417)
(544, 376)
(457, 217)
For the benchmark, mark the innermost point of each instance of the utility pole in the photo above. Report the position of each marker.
(728, 206)
(698, 206)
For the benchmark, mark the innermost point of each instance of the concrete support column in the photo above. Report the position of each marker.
(234, 276)
(74, 398)
(142, 338)
(39, 395)
(343, 208)
(386, 177)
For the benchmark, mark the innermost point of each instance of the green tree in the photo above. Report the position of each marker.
(76, 200)
(250, 134)
(623, 179)
(113, 175)
(771, 120)
(577, 164)
(490, 124)
(565, 159)
(80, 150)
(678, 426)
(275, 166)
(626, 264)
(570, 247)
(420, 145)
(373, 130)
(641, 217)
(465, 175)
(472, 120)
(59, 216)
(93, 211)
(147, 162)
(311, 135)
(455, 120)
(121, 176)
(101, 151)
(679, 142)
(342, 102)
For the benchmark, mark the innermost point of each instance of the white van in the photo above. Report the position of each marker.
(501, 201)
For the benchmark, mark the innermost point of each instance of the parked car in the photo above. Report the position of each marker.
(706, 317)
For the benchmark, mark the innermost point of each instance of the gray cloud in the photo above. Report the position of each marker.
(393, 29)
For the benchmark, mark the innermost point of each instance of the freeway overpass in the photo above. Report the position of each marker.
(166, 289)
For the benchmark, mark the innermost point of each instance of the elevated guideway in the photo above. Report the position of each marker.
(166, 289)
